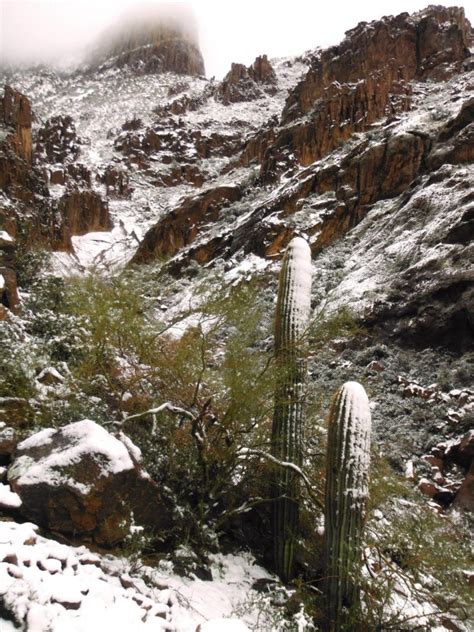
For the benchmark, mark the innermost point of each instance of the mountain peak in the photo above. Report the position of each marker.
(151, 39)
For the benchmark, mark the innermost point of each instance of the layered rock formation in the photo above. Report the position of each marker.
(350, 86)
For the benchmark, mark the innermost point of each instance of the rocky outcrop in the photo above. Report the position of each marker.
(84, 482)
(117, 182)
(403, 47)
(57, 140)
(456, 140)
(452, 472)
(16, 115)
(150, 44)
(350, 86)
(182, 226)
(81, 212)
(246, 84)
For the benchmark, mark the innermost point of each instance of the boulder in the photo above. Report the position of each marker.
(8, 442)
(82, 481)
(465, 497)
(9, 296)
(50, 377)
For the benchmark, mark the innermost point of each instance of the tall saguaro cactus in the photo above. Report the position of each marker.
(347, 476)
(292, 315)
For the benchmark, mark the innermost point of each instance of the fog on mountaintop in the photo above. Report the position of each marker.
(61, 31)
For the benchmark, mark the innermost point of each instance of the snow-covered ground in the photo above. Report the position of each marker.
(53, 587)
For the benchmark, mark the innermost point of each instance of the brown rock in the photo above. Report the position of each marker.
(262, 71)
(237, 86)
(244, 84)
(181, 227)
(16, 110)
(117, 182)
(50, 376)
(365, 78)
(9, 296)
(81, 212)
(462, 451)
(82, 481)
(57, 176)
(465, 497)
(441, 495)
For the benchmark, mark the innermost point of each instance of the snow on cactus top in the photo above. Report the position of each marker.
(295, 289)
(47, 456)
(357, 425)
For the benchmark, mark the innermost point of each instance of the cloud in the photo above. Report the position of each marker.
(58, 30)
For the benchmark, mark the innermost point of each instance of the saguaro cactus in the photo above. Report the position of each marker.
(347, 476)
(292, 315)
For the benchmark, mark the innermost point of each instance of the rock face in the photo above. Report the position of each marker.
(16, 114)
(9, 297)
(181, 227)
(81, 212)
(82, 481)
(366, 77)
(246, 84)
(38, 219)
(151, 44)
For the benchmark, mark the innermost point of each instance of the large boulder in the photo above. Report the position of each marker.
(82, 481)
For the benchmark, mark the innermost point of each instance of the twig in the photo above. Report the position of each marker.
(287, 465)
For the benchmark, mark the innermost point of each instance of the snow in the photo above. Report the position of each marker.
(52, 587)
(51, 371)
(2, 282)
(219, 625)
(6, 237)
(79, 438)
(8, 499)
(297, 273)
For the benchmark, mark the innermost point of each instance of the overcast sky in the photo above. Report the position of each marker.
(228, 30)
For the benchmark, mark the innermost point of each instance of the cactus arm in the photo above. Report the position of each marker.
(347, 475)
(292, 315)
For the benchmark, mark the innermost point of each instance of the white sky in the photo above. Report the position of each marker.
(34, 30)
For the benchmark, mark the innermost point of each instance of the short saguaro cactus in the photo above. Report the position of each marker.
(347, 478)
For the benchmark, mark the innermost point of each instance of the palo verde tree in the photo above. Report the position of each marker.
(292, 315)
